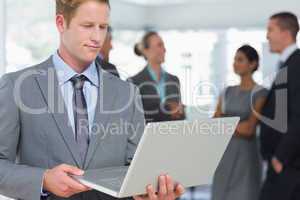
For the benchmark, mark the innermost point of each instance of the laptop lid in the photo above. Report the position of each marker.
(189, 151)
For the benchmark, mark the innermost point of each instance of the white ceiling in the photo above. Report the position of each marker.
(196, 14)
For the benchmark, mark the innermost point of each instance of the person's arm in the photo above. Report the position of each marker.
(176, 107)
(16, 181)
(247, 129)
(178, 90)
(23, 181)
(136, 128)
(173, 103)
(218, 112)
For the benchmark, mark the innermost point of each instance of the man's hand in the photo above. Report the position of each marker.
(59, 182)
(167, 190)
(277, 165)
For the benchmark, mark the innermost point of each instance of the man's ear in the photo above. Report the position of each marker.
(287, 34)
(60, 23)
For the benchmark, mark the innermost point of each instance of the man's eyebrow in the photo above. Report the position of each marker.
(92, 22)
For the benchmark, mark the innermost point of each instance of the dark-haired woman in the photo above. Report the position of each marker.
(238, 176)
(160, 90)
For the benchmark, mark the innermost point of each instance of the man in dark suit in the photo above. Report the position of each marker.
(103, 57)
(280, 128)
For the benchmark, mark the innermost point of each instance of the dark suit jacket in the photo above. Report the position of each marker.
(283, 99)
(154, 109)
(107, 66)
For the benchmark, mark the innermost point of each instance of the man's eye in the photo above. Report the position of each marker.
(87, 25)
(103, 27)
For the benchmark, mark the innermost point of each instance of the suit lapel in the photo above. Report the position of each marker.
(169, 87)
(148, 79)
(48, 83)
(283, 73)
(283, 69)
(106, 97)
(147, 76)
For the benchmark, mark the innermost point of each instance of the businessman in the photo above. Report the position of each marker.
(280, 129)
(59, 118)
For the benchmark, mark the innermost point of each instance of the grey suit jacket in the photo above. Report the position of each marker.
(35, 134)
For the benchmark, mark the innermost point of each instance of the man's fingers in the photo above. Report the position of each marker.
(151, 192)
(179, 190)
(72, 170)
(162, 182)
(75, 185)
(170, 185)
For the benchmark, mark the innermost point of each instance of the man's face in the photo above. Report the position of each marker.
(82, 40)
(276, 36)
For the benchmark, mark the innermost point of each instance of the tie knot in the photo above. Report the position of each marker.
(78, 81)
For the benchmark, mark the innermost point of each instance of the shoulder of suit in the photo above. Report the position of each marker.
(104, 63)
(116, 80)
(230, 88)
(139, 75)
(172, 77)
(294, 60)
(27, 72)
(295, 55)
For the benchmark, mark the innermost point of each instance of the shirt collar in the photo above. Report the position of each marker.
(287, 52)
(153, 74)
(65, 72)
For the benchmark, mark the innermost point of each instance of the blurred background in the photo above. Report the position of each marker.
(201, 37)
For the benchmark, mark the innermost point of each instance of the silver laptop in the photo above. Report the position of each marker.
(189, 151)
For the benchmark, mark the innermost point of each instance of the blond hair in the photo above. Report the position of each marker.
(68, 8)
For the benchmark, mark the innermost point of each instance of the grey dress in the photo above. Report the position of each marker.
(238, 176)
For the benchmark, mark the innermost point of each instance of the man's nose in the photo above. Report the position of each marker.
(96, 35)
